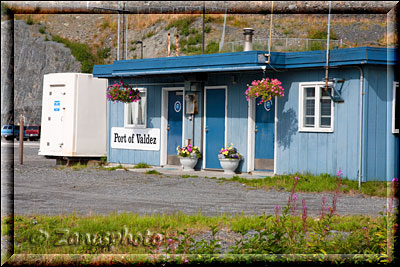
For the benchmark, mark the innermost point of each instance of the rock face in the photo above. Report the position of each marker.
(34, 57)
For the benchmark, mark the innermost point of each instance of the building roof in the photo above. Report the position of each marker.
(246, 60)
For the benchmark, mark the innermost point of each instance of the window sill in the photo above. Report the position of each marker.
(135, 126)
(316, 130)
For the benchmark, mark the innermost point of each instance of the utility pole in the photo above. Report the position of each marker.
(204, 15)
(21, 139)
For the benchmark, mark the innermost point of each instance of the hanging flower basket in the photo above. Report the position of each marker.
(265, 89)
(119, 92)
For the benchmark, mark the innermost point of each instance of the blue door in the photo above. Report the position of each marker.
(215, 126)
(264, 136)
(175, 109)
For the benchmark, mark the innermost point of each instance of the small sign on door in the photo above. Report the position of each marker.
(56, 105)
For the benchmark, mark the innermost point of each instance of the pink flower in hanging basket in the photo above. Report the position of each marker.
(265, 89)
(119, 92)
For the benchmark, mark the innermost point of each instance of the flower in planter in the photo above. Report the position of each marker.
(189, 151)
(229, 152)
(265, 89)
(119, 92)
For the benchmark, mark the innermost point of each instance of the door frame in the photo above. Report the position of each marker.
(251, 127)
(164, 122)
(225, 87)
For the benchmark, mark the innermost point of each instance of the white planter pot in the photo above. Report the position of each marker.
(229, 165)
(188, 163)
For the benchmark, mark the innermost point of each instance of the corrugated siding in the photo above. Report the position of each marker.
(317, 153)
(116, 119)
(376, 123)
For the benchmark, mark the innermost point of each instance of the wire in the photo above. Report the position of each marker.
(270, 32)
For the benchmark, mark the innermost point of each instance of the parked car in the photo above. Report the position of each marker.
(33, 132)
(7, 131)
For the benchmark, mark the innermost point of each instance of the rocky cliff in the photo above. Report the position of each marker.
(34, 56)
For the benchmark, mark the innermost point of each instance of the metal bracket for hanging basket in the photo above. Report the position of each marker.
(337, 96)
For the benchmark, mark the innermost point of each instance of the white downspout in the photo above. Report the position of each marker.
(360, 150)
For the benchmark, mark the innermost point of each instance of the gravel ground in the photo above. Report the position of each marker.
(41, 187)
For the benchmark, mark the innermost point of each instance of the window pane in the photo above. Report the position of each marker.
(325, 107)
(326, 122)
(310, 107)
(137, 111)
(131, 113)
(310, 91)
(309, 121)
(142, 109)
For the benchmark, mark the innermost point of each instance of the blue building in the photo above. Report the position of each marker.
(201, 98)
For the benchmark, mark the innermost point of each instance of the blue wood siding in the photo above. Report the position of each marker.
(380, 158)
(116, 119)
(316, 153)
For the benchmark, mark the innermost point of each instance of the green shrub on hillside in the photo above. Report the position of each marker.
(182, 25)
(212, 48)
(321, 34)
(80, 51)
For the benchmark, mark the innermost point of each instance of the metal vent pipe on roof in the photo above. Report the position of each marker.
(248, 39)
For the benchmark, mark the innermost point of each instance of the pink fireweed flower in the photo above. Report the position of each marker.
(304, 216)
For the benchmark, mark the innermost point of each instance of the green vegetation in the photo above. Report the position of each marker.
(80, 51)
(78, 166)
(182, 25)
(312, 183)
(29, 20)
(5, 9)
(114, 168)
(212, 48)
(316, 33)
(83, 53)
(155, 172)
(103, 53)
(148, 35)
(141, 165)
(105, 25)
(189, 176)
(42, 29)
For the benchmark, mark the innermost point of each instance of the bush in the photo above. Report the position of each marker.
(42, 30)
(182, 24)
(29, 20)
(321, 34)
(80, 51)
(103, 53)
(212, 48)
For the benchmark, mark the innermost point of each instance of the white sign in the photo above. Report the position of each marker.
(135, 138)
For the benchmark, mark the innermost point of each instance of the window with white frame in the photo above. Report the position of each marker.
(135, 113)
(395, 118)
(316, 108)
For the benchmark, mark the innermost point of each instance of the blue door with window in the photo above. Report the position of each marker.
(175, 110)
(215, 126)
(264, 136)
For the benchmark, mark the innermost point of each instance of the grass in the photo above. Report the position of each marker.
(189, 176)
(312, 183)
(155, 172)
(113, 168)
(141, 165)
(29, 235)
